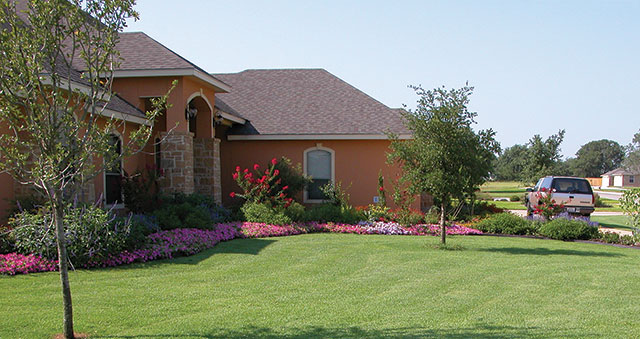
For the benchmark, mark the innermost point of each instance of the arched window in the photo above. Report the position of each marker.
(113, 173)
(319, 164)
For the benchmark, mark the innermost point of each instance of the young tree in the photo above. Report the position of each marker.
(542, 157)
(597, 157)
(55, 115)
(511, 162)
(445, 157)
(632, 162)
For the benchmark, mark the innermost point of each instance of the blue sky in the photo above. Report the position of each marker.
(537, 66)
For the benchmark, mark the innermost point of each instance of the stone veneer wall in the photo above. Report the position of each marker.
(217, 180)
(206, 167)
(177, 162)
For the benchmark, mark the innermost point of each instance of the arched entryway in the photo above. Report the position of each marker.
(206, 153)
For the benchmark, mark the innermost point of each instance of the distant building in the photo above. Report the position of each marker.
(620, 177)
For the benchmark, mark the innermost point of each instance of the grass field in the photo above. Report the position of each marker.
(614, 221)
(337, 285)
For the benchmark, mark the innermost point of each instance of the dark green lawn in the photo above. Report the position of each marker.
(621, 222)
(333, 285)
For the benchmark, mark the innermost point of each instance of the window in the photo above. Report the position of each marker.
(158, 156)
(318, 163)
(113, 174)
(632, 179)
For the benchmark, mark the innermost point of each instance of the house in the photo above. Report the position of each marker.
(337, 132)
(620, 177)
(218, 121)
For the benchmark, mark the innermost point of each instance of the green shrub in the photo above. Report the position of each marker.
(26, 203)
(296, 212)
(432, 216)
(564, 229)
(377, 212)
(291, 176)
(408, 217)
(263, 213)
(507, 223)
(140, 190)
(610, 237)
(335, 194)
(599, 202)
(183, 215)
(189, 211)
(515, 198)
(615, 238)
(91, 233)
(331, 213)
(7, 241)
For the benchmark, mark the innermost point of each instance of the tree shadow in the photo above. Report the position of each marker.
(547, 251)
(235, 246)
(478, 331)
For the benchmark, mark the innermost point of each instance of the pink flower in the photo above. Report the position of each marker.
(235, 176)
(255, 167)
(284, 188)
(237, 168)
(276, 172)
(274, 161)
(232, 194)
(381, 188)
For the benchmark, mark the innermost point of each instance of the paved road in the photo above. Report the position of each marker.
(523, 213)
(609, 195)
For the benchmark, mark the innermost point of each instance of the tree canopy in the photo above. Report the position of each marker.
(632, 161)
(597, 157)
(445, 157)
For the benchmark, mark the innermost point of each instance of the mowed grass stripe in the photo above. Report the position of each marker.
(340, 285)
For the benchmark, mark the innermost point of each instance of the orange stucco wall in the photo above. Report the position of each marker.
(357, 163)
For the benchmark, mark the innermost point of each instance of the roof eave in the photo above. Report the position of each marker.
(315, 137)
(220, 86)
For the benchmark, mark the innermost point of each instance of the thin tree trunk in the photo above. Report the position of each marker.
(63, 265)
(443, 230)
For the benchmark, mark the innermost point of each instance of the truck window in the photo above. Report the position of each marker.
(571, 185)
(537, 187)
(546, 183)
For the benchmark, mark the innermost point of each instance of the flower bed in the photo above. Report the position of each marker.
(14, 263)
(189, 241)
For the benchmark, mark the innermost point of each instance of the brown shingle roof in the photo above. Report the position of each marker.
(305, 101)
(139, 51)
(618, 171)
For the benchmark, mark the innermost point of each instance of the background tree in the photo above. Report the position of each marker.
(597, 157)
(632, 162)
(445, 157)
(56, 130)
(510, 163)
(542, 157)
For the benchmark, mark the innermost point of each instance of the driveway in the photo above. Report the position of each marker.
(523, 213)
(609, 195)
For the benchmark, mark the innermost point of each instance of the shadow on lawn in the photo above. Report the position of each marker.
(546, 251)
(478, 331)
(236, 246)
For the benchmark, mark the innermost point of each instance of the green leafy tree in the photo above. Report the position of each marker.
(445, 157)
(630, 203)
(542, 157)
(510, 164)
(632, 162)
(597, 157)
(56, 120)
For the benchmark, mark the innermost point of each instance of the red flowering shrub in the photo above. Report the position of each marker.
(262, 187)
(547, 206)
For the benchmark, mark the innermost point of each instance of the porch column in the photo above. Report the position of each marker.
(177, 162)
